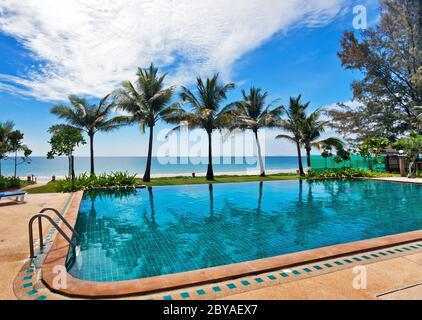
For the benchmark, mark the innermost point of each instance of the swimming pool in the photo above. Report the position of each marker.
(164, 230)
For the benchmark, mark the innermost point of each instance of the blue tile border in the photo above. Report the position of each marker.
(245, 282)
(200, 292)
(32, 292)
(185, 295)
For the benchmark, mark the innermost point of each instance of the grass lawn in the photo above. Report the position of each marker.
(47, 188)
(217, 179)
(51, 186)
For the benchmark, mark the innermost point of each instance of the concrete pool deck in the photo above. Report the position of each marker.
(400, 179)
(14, 247)
(395, 276)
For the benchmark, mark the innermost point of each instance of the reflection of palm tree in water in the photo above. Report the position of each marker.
(211, 217)
(258, 209)
(211, 190)
(150, 222)
(256, 237)
(309, 216)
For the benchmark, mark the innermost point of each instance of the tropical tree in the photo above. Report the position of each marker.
(418, 110)
(205, 111)
(388, 57)
(312, 129)
(63, 141)
(294, 125)
(412, 148)
(371, 149)
(252, 113)
(16, 145)
(5, 129)
(89, 118)
(146, 102)
(342, 155)
(327, 145)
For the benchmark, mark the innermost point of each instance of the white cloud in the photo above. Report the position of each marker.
(353, 104)
(88, 47)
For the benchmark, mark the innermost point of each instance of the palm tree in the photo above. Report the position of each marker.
(205, 111)
(5, 129)
(252, 113)
(146, 102)
(312, 129)
(294, 124)
(16, 145)
(89, 118)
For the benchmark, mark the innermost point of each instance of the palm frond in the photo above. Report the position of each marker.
(285, 136)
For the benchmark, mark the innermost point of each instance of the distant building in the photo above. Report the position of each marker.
(395, 162)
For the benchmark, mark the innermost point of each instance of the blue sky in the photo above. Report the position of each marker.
(287, 50)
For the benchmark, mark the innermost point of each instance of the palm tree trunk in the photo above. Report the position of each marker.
(299, 155)
(73, 166)
(410, 170)
(261, 163)
(91, 152)
(16, 162)
(210, 173)
(69, 171)
(308, 157)
(147, 174)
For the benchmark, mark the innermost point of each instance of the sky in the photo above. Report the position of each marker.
(50, 49)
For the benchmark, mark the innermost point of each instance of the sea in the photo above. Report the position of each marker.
(44, 168)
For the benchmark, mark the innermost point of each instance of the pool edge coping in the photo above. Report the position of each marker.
(74, 287)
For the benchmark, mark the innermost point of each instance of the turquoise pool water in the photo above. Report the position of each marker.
(147, 232)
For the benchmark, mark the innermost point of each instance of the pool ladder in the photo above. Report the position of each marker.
(41, 215)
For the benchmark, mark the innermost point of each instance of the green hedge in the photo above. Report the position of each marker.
(86, 182)
(344, 173)
(9, 183)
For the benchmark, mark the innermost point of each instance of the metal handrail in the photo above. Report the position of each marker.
(61, 218)
(39, 216)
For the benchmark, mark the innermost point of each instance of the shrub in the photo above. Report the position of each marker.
(344, 173)
(3, 183)
(8, 183)
(87, 182)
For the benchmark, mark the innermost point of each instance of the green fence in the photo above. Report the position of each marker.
(356, 161)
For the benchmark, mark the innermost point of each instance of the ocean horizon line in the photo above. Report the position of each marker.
(214, 156)
(161, 166)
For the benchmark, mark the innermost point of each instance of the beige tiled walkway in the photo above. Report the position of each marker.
(14, 248)
(382, 277)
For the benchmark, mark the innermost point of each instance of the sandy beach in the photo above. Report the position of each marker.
(45, 179)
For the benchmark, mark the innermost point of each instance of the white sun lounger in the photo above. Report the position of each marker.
(16, 196)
